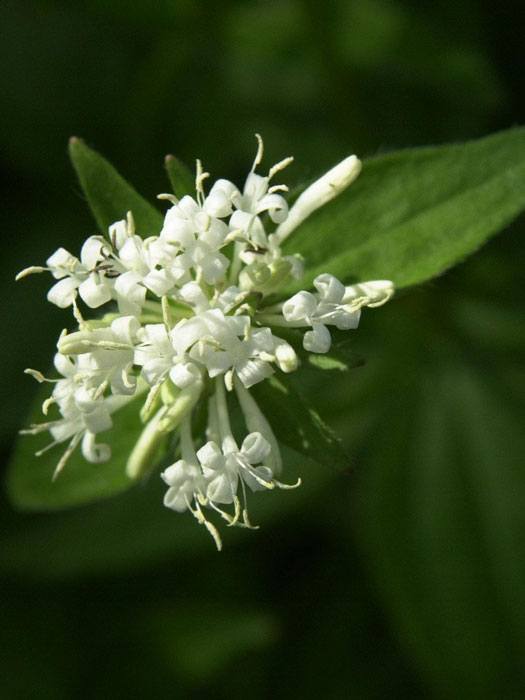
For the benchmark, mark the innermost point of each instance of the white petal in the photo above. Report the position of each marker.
(184, 374)
(61, 260)
(347, 321)
(210, 456)
(159, 282)
(64, 365)
(330, 288)
(192, 293)
(276, 206)
(214, 268)
(118, 233)
(95, 291)
(219, 200)
(64, 292)
(264, 473)
(318, 339)
(239, 325)
(300, 307)
(98, 421)
(175, 474)
(253, 371)
(186, 333)
(132, 253)
(255, 448)
(175, 499)
(125, 329)
(91, 252)
(92, 452)
(221, 489)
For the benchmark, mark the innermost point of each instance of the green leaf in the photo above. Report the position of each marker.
(29, 477)
(109, 196)
(297, 424)
(413, 214)
(442, 521)
(180, 176)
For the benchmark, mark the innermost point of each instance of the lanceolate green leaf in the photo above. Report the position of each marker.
(412, 214)
(29, 478)
(181, 179)
(109, 196)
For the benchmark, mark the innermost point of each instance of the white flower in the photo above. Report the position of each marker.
(334, 305)
(256, 198)
(223, 343)
(110, 353)
(194, 237)
(159, 359)
(193, 294)
(84, 411)
(186, 482)
(155, 354)
(85, 276)
(223, 468)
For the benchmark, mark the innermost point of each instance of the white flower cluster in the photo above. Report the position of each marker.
(188, 319)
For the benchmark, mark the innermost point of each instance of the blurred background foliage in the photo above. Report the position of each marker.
(404, 577)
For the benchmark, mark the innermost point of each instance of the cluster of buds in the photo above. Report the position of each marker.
(184, 318)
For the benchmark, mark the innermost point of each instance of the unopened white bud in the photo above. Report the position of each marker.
(319, 193)
(285, 357)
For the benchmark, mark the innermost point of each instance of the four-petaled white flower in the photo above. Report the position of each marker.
(85, 276)
(332, 305)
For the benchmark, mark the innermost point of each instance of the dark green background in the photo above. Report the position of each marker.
(404, 577)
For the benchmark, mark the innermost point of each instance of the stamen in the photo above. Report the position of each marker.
(47, 404)
(130, 221)
(168, 197)
(67, 454)
(151, 399)
(199, 180)
(251, 470)
(281, 165)
(287, 487)
(277, 188)
(199, 516)
(77, 315)
(39, 376)
(167, 317)
(37, 428)
(45, 449)
(30, 271)
(245, 519)
(260, 152)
